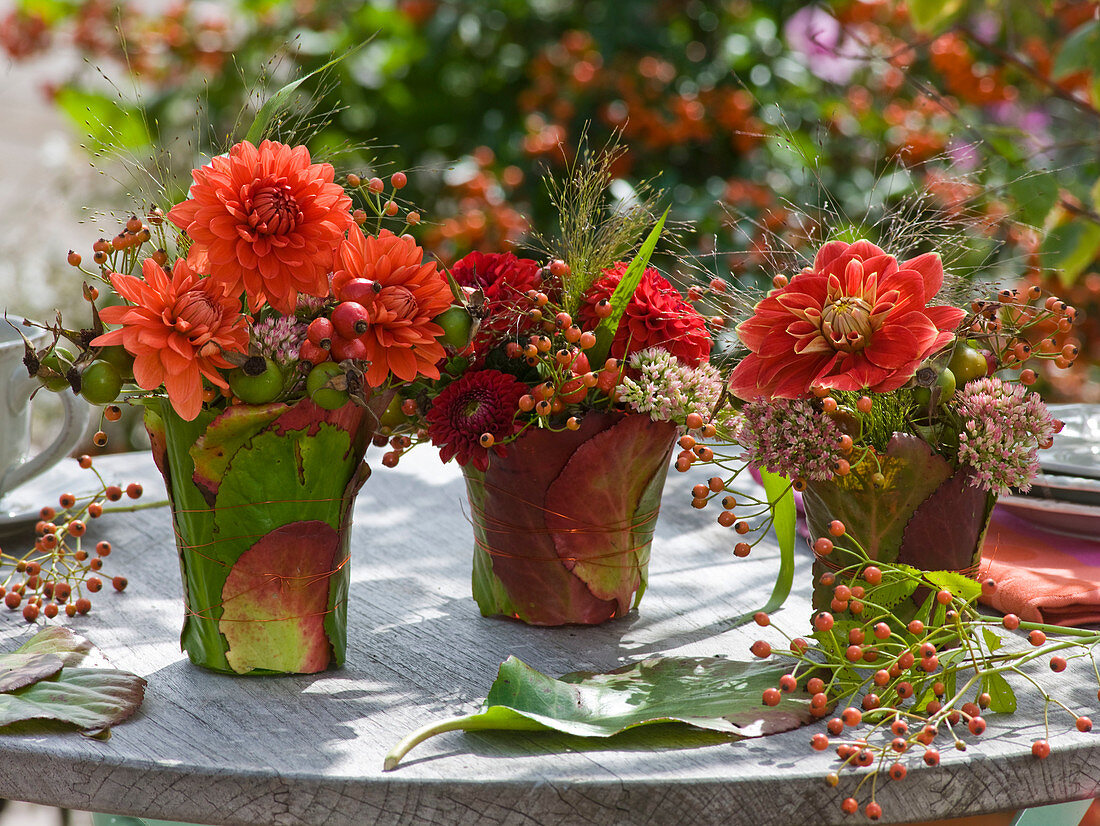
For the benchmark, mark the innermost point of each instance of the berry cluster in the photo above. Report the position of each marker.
(916, 674)
(1016, 328)
(59, 574)
(553, 361)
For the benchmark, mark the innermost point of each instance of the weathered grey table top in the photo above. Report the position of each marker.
(308, 750)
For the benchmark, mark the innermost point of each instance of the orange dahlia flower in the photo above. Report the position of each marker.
(856, 319)
(266, 221)
(176, 331)
(401, 337)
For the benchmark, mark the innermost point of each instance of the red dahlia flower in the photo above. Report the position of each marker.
(176, 331)
(504, 279)
(657, 316)
(481, 401)
(856, 319)
(266, 221)
(401, 338)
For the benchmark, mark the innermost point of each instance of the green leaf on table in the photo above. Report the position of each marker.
(60, 642)
(91, 699)
(38, 682)
(706, 692)
(21, 670)
(1002, 697)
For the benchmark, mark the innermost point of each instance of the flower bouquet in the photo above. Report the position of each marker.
(900, 419)
(562, 399)
(263, 330)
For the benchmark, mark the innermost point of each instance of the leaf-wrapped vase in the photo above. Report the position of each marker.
(563, 521)
(920, 512)
(262, 498)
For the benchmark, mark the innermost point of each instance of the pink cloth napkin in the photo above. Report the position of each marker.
(1042, 576)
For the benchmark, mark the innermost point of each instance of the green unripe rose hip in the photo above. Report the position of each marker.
(120, 358)
(100, 383)
(967, 364)
(393, 416)
(457, 324)
(261, 388)
(60, 361)
(940, 392)
(328, 397)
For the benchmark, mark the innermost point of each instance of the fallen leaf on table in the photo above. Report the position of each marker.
(706, 692)
(40, 681)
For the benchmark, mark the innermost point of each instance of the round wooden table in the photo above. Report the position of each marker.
(210, 748)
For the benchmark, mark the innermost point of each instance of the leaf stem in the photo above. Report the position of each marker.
(420, 735)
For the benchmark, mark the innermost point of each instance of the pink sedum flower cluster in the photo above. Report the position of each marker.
(279, 338)
(667, 389)
(1004, 425)
(789, 437)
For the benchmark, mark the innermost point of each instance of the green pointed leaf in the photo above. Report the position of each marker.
(781, 501)
(1071, 248)
(899, 581)
(1080, 51)
(1002, 697)
(932, 14)
(705, 692)
(961, 586)
(992, 639)
(605, 330)
(279, 102)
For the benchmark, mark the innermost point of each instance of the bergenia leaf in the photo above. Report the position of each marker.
(62, 643)
(21, 670)
(88, 698)
(38, 682)
(624, 291)
(706, 692)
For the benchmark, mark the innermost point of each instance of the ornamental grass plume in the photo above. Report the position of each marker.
(266, 220)
(789, 437)
(1004, 426)
(668, 390)
(177, 331)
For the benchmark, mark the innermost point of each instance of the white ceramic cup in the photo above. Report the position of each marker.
(16, 467)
